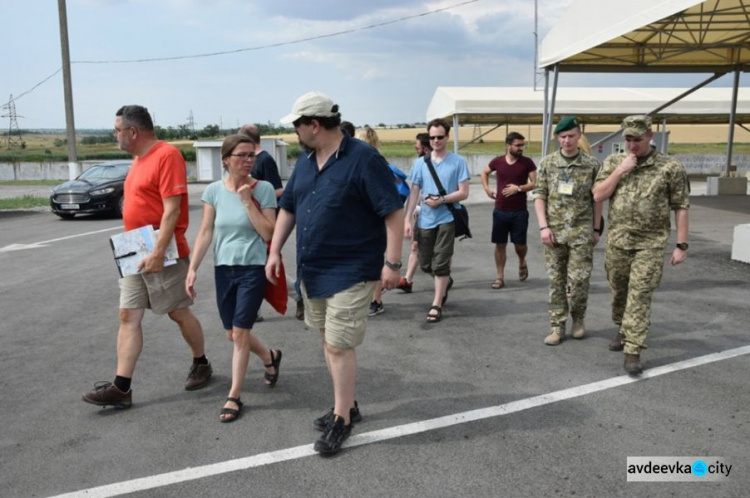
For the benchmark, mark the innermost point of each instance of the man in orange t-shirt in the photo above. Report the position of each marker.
(155, 194)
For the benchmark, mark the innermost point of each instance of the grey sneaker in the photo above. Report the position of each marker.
(333, 437)
(106, 394)
(321, 423)
(376, 308)
(198, 376)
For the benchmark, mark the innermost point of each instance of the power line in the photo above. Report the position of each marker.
(250, 49)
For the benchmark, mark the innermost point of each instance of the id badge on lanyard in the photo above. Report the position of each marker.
(566, 187)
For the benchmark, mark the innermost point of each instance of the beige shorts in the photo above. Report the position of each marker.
(160, 292)
(343, 315)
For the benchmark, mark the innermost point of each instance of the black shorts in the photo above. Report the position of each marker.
(515, 223)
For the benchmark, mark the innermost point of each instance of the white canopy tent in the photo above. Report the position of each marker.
(649, 36)
(518, 105)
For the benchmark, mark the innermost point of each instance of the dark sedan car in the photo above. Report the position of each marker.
(96, 190)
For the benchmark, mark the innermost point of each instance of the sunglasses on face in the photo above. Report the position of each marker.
(437, 137)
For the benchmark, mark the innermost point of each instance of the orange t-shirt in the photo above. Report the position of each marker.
(161, 173)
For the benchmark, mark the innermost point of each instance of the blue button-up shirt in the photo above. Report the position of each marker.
(339, 212)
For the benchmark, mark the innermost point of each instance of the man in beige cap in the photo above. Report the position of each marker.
(644, 185)
(348, 215)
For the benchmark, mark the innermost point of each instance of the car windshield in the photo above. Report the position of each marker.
(105, 172)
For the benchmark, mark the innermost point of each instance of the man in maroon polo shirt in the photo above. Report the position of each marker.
(516, 175)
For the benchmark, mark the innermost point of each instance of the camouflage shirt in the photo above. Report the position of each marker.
(640, 206)
(570, 217)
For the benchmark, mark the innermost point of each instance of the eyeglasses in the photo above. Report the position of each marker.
(437, 137)
(244, 155)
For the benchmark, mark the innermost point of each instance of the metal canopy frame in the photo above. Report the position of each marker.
(708, 36)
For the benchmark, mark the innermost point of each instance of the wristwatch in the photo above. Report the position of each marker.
(393, 265)
(682, 246)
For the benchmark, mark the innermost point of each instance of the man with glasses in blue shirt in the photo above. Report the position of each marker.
(436, 229)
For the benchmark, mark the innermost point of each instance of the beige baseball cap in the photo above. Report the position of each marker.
(313, 105)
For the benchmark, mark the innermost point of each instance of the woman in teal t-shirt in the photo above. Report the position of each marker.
(239, 214)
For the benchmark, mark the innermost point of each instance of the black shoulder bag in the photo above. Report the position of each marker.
(460, 214)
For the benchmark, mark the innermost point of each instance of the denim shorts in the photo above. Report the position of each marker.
(515, 223)
(239, 293)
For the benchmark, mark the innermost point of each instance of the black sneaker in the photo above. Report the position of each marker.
(376, 308)
(321, 423)
(335, 434)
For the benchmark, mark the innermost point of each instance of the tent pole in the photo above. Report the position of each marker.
(664, 136)
(544, 111)
(550, 117)
(455, 133)
(732, 112)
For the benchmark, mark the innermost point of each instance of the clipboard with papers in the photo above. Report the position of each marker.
(129, 248)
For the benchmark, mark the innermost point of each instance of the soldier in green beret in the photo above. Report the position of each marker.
(643, 186)
(569, 226)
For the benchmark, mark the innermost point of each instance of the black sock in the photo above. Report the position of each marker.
(200, 361)
(122, 383)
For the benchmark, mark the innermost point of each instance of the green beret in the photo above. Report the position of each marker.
(567, 123)
(635, 126)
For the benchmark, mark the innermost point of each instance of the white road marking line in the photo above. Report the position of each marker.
(298, 452)
(36, 245)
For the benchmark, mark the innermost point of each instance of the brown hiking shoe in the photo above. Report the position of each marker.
(616, 344)
(578, 329)
(633, 364)
(198, 376)
(555, 337)
(106, 394)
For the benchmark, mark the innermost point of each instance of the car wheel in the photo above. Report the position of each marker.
(66, 216)
(118, 207)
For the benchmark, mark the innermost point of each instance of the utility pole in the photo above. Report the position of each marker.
(13, 127)
(73, 169)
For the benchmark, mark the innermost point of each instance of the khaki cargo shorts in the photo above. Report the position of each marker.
(343, 315)
(160, 292)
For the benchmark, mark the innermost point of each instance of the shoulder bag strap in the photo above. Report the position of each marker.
(428, 161)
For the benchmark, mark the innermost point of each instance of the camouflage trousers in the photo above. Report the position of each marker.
(568, 264)
(633, 277)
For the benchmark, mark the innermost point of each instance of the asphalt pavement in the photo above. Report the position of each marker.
(476, 405)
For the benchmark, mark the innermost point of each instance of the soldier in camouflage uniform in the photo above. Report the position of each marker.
(643, 187)
(569, 224)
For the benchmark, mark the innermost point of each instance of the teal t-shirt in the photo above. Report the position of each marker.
(235, 240)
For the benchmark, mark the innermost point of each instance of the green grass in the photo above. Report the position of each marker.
(25, 202)
(22, 183)
(720, 148)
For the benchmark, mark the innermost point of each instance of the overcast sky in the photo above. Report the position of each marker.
(386, 74)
